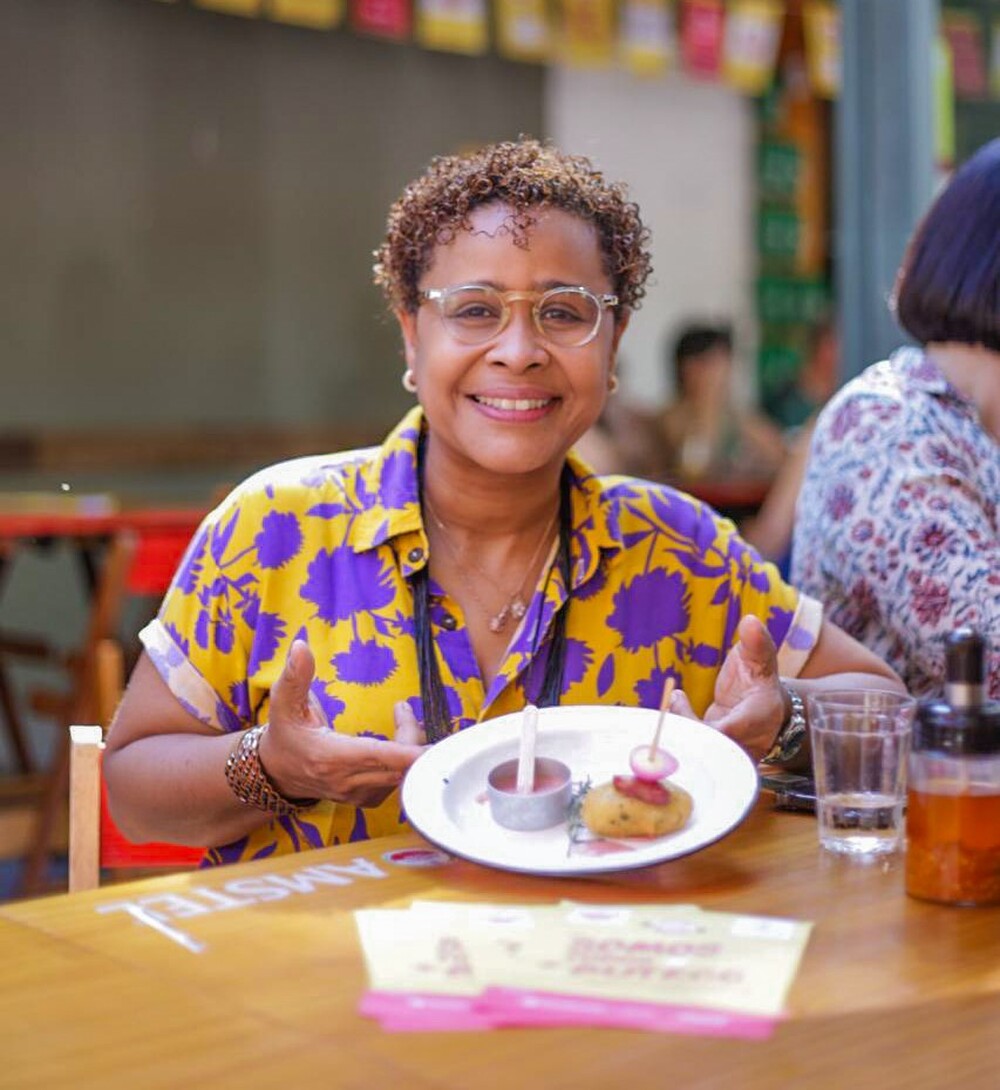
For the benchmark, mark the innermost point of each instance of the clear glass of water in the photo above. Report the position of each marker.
(860, 742)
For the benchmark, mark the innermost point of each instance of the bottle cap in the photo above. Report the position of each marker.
(964, 656)
(963, 723)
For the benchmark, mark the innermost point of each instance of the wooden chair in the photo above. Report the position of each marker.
(95, 842)
(80, 704)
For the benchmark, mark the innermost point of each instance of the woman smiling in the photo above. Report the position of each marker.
(333, 616)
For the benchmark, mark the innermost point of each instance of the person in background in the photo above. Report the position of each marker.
(702, 431)
(796, 405)
(333, 616)
(624, 439)
(897, 524)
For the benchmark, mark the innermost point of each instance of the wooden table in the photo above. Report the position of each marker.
(891, 992)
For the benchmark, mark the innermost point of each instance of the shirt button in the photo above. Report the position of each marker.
(415, 555)
(449, 622)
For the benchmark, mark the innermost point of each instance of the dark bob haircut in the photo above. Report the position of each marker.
(948, 287)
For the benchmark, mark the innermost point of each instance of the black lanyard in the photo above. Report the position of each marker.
(437, 719)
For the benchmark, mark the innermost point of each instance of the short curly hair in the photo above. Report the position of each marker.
(525, 175)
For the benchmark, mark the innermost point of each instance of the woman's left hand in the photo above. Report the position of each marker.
(749, 703)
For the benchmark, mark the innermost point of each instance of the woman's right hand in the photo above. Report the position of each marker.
(304, 758)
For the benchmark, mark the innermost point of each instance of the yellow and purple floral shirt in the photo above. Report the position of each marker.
(322, 549)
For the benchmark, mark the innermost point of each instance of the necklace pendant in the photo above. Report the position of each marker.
(518, 609)
(499, 622)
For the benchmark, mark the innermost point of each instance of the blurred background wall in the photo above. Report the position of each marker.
(687, 149)
(190, 201)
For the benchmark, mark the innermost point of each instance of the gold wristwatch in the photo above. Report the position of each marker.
(250, 783)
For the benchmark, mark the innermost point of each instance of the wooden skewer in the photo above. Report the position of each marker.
(668, 692)
(526, 758)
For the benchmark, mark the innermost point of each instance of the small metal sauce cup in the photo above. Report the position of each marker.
(542, 808)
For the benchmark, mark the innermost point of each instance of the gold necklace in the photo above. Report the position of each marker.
(515, 605)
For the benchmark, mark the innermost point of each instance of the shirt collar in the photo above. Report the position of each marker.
(595, 522)
(388, 487)
(389, 490)
(920, 372)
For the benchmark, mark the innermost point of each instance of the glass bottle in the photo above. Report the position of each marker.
(953, 805)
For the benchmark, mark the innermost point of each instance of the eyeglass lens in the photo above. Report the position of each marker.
(474, 315)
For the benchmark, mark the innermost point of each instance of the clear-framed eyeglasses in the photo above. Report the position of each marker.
(476, 313)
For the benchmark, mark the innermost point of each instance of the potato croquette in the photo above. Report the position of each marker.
(608, 812)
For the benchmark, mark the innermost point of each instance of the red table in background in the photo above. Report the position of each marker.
(157, 538)
(162, 535)
(126, 553)
(152, 520)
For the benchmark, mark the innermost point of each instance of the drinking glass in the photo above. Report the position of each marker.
(860, 742)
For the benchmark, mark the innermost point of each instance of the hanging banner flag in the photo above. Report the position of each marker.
(648, 38)
(382, 18)
(247, 8)
(455, 26)
(524, 32)
(317, 14)
(944, 106)
(995, 59)
(965, 37)
(587, 33)
(822, 33)
(702, 32)
(750, 47)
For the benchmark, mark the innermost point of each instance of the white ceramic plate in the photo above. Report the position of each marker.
(444, 793)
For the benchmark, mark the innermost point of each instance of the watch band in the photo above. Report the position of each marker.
(792, 732)
(250, 783)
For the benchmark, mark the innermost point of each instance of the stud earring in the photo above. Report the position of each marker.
(613, 384)
(409, 381)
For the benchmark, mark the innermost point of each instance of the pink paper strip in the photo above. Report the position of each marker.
(422, 1012)
(525, 1007)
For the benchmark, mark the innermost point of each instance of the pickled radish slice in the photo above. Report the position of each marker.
(651, 764)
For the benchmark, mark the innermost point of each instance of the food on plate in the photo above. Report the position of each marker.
(542, 805)
(651, 763)
(628, 806)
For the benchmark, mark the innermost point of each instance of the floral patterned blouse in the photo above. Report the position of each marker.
(322, 548)
(896, 529)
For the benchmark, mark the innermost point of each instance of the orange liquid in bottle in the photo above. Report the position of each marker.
(953, 846)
